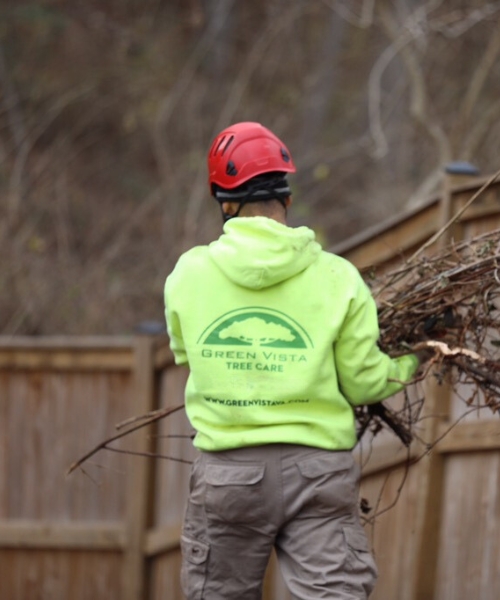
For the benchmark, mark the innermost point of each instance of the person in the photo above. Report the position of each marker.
(280, 338)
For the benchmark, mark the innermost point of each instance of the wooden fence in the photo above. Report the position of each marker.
(441, 539)
(111, 530)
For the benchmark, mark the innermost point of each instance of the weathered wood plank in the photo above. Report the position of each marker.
(470, 437)
(394, 242)
(165, 577)
(34, 574)
(469, 558)
(49, 419)
(387, 456)
(66, 342)
(163, 356)
(116, 359)
(140, 478)
(66, 352)
(429, 496)
(162, 539)
(26, 533)
(389, 239)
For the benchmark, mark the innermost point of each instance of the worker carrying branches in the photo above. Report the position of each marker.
(281, 341)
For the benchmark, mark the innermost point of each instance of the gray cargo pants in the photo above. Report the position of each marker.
(302, 501)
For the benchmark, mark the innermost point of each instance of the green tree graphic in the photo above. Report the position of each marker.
(257, 331)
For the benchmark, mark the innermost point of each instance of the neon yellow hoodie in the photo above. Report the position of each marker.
(280, 338)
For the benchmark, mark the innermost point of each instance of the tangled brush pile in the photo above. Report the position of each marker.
(449, 302)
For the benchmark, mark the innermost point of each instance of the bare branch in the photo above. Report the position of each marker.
(365, 18)
(419, 103)
(463, 24)
(10, 101)
(411, 31)
(160, 414)
(456, 216)
(481, 73)
(29, 140)
(426, 187)
(180, 88)
(375, 93)
(479, 130)
(445, 350)
(149, 455)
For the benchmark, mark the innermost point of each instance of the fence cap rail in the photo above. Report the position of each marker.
(63, 342)
(81, 352)
(406, 217)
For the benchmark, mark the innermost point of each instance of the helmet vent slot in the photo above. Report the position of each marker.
(229, 142)
(285, 155)
(217, 148)
(231, 169)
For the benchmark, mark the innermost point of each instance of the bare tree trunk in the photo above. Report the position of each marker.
(10, 100)
(478, 127)
(321, 84)
(18, 133)
(420, 103)
(219, 15)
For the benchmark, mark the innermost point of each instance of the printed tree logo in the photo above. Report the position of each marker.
(256, 326)
(257, 331)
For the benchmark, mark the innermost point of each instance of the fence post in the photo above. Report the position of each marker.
(430, 474)
(430, 469)
(454, 173)
(140, 476)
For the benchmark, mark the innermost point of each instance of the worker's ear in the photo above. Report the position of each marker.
(230, 208)
(288, 201)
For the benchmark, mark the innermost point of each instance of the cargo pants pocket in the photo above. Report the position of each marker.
(234, 493)
(194, 567)
(332, 483)
(361, 571)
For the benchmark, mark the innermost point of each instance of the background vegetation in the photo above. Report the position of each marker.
(107, 109)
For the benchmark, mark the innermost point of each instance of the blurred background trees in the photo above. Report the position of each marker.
(108, 107)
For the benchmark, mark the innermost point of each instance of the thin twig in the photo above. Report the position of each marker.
(455, 217)
(164, 412)
(148, 455)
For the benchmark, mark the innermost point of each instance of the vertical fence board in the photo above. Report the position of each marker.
(172, 479)
(172, 476)
(391, 495)
(59, 575)
(54, 417)
(165, 582)
(140, 472)
(429, 495)
(469, 557)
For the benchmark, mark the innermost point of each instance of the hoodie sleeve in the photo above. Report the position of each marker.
(174, 328)
(364, 371)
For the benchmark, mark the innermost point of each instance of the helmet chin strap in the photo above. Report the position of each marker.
(227, 216)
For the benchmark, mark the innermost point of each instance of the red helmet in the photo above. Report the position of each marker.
(243, 151)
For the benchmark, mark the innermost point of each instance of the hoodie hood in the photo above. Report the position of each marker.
(257, 252)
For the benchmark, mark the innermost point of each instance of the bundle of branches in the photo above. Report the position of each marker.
(449, 302)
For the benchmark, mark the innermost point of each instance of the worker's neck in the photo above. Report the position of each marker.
(279, 216)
